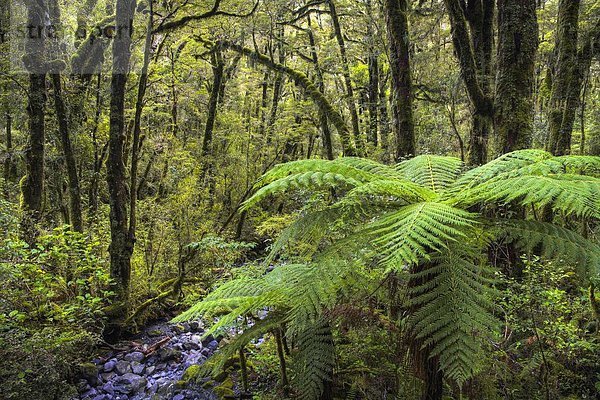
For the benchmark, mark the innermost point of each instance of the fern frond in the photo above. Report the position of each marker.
(413, 232)
(315, 180)
(504, 164)
(453, 316)
(314, 362)
(433, 172)
(314, 165)
(314, 288)
(570, 194)
(554, 242)
(398, 189)
(370, 166)
(217, 361)
(583, 165)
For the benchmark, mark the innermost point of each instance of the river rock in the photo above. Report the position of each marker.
(166, 354)
(135, 356)
(129, 383)
(110, 365)
(137, 367)
(123, 367)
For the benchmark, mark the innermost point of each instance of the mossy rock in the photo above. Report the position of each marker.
(192, 373)
(225, 389)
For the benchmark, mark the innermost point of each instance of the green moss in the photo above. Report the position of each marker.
(225, 389)
(193, 372)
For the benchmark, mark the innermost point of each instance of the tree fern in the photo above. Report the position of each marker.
(416, 218)
(567, 193)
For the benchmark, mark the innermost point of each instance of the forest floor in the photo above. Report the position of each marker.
(151, 365)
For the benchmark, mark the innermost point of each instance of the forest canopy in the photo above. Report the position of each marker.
(315, 199)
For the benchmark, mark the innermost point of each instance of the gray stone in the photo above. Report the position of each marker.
(123, 367)
(179, 397)
(191, 346)
(213, 344)
(195, 325)
(167, 354)
(137, 367)
(110, 365)
(129, 383)
(108, 388)
(150, 370)
(135, 356)
(107, 376)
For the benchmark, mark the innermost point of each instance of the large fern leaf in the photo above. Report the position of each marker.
(410, 234)
(433, 172)
(314, 362)
(554, 242)
(567, 193)
(453, 316)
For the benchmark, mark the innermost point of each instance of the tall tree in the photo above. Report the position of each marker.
(358, 142)
(32, 185)
(121, 245)
(323, 122)
(571, 65)
(472, 36)
(75, 213)
(517, 49)
(402, 110)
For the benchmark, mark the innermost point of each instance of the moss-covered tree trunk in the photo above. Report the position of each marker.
(337, 29)
(559, 136)
(121, 245)
(207, 142)
(32, 185)
(75, 212)
(64, 131)
(137, 123)
(10, 166)
(323, 122)
(401, 89)
(472, 37)
(568, 73)
(517, 49)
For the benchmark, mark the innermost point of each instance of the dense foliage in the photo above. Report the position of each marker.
(359, 199)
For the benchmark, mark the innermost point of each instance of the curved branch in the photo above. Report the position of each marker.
(212, 13)
(303, 81)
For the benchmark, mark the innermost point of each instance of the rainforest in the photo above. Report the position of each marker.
(307, 199)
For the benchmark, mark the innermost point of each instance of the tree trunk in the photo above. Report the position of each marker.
(358, 142)
(402, 113)
(99, 156)
(517, 49)
(384, 122)
(32, 185)
(70, 163)
(474, 67)
(373, 97)
(121, 246)
(137, 122)
(559, 140)
(10, 167)
(207, 154)
(324, 124)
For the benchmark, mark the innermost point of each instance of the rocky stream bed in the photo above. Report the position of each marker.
(152, 367)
